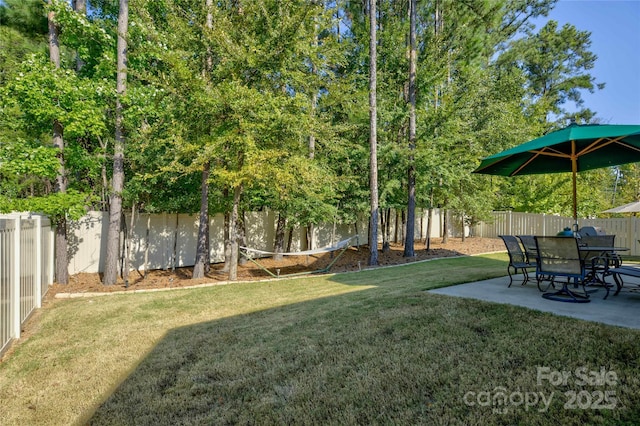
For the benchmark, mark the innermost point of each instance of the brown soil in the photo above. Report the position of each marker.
(352, 259)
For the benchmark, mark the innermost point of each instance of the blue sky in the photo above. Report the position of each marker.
(615, 38)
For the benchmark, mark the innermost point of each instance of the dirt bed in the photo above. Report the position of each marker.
(352, 259)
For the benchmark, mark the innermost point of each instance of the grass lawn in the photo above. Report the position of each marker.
(361, 348)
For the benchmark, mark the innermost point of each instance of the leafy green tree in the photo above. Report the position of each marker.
(25, 16)
(626, 184)
(247, 107)
(235, 105)
(62, 272)
(117, 183)
(556, 62)
(39, 91)
(373, 135)
(411, 171)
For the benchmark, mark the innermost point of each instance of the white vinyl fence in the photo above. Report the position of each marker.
(26, 270)
(168, 240)
(626, 230)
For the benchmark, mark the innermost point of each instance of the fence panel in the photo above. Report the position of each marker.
(167, 240)
(626, 230)
(28, 266)
(47, 249)
(26, 271)
(7, 238)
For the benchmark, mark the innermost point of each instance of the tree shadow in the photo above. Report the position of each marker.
(371, 355)
(328, 359)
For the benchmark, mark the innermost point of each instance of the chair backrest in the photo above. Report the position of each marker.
(516, 255)
(529, 244)
(598, 240)
(559, 256)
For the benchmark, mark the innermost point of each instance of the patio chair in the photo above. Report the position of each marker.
(517, 258)
(559, 257)
(599, 262)
(529, 244)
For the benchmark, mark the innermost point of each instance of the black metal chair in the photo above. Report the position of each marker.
(517, 258)
(559, 257)
(598, 263)
(529, 245)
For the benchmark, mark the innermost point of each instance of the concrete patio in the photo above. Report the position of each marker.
(622, 310)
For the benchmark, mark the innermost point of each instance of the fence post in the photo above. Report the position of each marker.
(15, 293)
(52, 251)
(39, 252)
(630, 232)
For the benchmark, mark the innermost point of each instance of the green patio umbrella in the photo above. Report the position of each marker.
(572, 149)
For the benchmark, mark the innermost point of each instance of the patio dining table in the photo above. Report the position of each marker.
(597, 270)
(601, 257)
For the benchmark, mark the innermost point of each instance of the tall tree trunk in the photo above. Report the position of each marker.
(314, 96)
(278, 245)
(104, 195)
(117, 183)
(62, 262)
(127, 253)
(203, 258)
(146, 246)
(445, 227)
(174, 249)
(385, 222)
(227, 241)
(233, 233)
(411, 172)
(80, 6)
(289, 240)
(209, 23)
(396, 230)
(429, 221)
(309, 231)
(373, 136)
(242, 236)
(123, 244)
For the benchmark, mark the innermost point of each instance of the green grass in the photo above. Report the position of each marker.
(361, 348)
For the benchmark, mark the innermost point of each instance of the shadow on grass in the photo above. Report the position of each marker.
(392, 353)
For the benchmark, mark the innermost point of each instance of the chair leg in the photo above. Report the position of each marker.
(541, 278)
(619, 283)
(510, 277)
(566, 295)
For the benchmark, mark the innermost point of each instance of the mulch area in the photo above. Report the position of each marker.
(351, 260)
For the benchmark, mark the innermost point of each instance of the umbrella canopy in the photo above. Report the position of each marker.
(572, 149)
(627, 208)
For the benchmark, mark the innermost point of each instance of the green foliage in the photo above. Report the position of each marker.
(19, 158)
(246, 95)
(25, 16)
(556, 62)
(91, 41)
(627, 187)
(71, 204)
(45, 94)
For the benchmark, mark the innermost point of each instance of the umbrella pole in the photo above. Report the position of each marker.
(574, 172)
